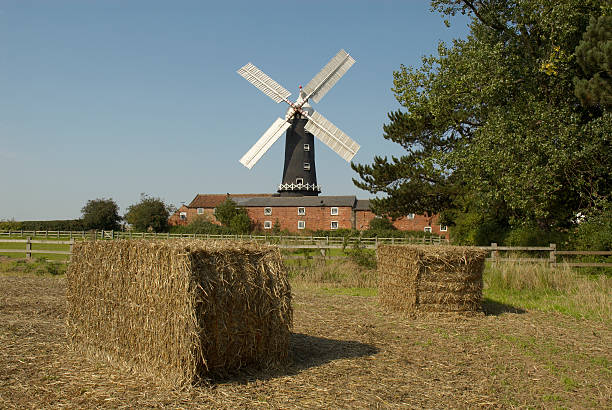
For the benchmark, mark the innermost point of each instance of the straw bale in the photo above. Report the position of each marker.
(180, 310)
(415, 278)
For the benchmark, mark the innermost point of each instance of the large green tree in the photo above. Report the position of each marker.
(233, 216)
(150, 214)
(101, 213)
(491, 123)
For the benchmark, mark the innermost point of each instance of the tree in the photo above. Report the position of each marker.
(233, 216)
(491, 124)
(149, 214)
(381, 224)
(594, 56)
(101, 213)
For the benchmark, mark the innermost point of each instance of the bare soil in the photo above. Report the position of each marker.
(346, 352)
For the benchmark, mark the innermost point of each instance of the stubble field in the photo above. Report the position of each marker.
(346, 352)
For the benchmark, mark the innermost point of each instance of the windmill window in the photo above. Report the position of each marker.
(267, 211)
(443, 228)
(306, 147)
(334, 211)
(183, 215)
(410, 216)
(301, 210)
(334, 225)
(299, 181)
(427, 229)
(200, 211)
(301, 224)
(267, 224)
(306, 166)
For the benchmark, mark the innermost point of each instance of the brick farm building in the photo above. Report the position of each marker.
(302, 213)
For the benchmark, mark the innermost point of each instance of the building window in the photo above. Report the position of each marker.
(200, 211)
(301, 224)
(301, 210)
(306, 166)
(306, 147)
(183, 216)
(334, 210)
(410, 216)
(334, 225)
(267, 211)
(427, 229)
(299, 181)
(443, 228)
(267, 224)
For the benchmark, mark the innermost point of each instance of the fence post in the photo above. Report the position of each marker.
(552, 257)
(494, 253)
(28, 248)
(71, 243)
(46, 234)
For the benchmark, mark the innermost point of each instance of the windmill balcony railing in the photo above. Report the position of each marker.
(299, 187)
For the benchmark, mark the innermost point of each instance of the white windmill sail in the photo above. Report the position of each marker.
(262, 81)
(264, 143)
(331, 136)
(329, 75)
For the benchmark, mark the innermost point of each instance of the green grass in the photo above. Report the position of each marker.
(37, 266)
(369, 292)
(541, 287)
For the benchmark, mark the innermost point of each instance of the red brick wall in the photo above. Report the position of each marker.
(192, 213)
(418, 223)
(316, 218)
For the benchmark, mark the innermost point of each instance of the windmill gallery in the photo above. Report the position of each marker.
(297, 205)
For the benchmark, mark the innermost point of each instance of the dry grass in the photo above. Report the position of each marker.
(560, 288)
(345, 352)
(182, 309)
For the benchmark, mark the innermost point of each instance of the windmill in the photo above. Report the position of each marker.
(302, 124)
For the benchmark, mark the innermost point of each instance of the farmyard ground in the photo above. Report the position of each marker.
(346, 352)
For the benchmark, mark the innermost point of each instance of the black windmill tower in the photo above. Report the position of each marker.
(301, 124)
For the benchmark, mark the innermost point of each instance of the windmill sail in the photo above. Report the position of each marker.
(261, 80)
(264, 143)
(329, 75)
(331, 136)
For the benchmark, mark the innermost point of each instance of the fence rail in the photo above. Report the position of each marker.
(294, 242)
(284, 241)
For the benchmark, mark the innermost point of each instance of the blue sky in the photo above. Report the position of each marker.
(109, 99)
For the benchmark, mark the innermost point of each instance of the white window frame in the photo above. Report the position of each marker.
(301, 211)
(200, 211)
(333, 210)
(299, 181)
(410, 216)
(331, 225)
(301, 224)
(183, 216)
(306, 147)
(306, 166)
(443, 228)
(267, 224)
(427, 229)
(267, 210)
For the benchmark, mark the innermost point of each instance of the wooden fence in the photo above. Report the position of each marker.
(551, 256)
(284, 241)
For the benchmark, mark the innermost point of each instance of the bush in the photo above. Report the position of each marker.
(56, 225)
(595, 231)
(381, 224)
(532, 236)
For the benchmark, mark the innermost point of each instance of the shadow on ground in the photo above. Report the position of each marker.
(305, 351)
(494, 308)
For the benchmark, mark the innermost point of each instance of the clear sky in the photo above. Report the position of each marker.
(109, 99)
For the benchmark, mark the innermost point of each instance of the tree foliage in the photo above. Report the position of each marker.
(101, 213)
(594, 56)
(491, 123)
(150, 214)
(233, 216)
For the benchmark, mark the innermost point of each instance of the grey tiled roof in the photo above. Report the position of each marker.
(298, 201)
(363, 205)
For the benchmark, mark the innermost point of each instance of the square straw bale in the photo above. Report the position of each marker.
(427, 278)
(180, 310)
